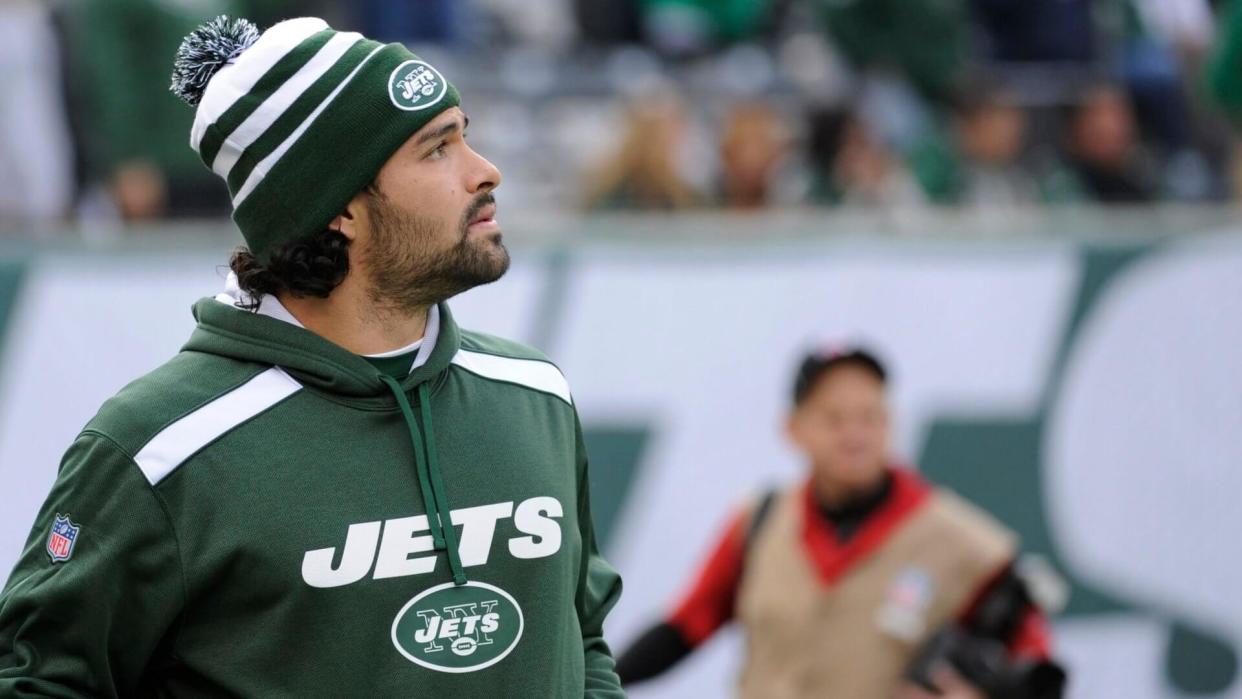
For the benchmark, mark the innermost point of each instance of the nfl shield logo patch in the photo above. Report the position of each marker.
(60, 541)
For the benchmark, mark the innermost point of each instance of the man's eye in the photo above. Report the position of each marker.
(439, 150)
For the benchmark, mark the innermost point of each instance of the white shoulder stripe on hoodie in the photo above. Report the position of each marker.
(532, 373)
(182, 439)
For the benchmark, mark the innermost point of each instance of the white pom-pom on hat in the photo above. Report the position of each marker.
(205, 51)
(236, 78)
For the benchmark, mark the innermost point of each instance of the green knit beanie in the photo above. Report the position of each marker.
(300, 119)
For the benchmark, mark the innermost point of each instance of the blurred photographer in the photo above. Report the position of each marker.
(864, 580)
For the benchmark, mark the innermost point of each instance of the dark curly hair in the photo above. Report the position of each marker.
(312, 266)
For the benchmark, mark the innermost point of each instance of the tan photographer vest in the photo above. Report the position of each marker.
(852, 637)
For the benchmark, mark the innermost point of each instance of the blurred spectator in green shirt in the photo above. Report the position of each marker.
(1224, 67)
(927, 41)
(683, 27)
(133, 131)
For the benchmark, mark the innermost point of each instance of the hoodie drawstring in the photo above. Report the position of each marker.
(439, 516)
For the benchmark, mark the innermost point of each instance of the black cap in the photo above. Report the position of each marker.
(819, 362)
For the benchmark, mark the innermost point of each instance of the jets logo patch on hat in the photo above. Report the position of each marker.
(61, 539)
(415, 85)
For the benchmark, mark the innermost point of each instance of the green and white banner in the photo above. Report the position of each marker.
(1089, 395)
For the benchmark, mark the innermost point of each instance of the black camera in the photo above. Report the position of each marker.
(976, 649)
(985, 663)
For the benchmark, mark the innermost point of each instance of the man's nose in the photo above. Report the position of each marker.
(484, 176)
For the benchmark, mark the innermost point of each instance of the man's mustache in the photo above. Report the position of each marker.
(475, 207)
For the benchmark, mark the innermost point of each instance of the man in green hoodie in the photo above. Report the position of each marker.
(332, 490)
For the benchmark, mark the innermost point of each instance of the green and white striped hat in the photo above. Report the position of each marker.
(299, 119)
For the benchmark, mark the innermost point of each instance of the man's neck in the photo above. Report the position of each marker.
(854, 507)
(833, 495)
(349, 319)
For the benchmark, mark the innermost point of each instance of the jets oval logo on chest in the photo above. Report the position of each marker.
(458, 628)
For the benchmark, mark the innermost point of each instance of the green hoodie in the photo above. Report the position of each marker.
(251, 519)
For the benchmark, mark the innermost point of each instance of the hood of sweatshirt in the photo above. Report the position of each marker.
(273, 336)
(264, 337)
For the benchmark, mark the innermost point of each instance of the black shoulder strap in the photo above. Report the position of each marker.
(762, 509)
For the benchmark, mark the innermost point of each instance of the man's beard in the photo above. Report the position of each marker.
(406, 269)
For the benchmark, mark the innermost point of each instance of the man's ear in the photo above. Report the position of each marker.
(791, 428)
(347, 223)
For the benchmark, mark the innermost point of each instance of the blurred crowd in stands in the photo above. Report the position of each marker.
(678, 104)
